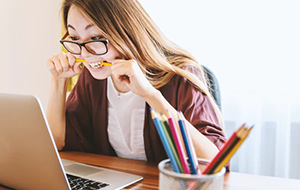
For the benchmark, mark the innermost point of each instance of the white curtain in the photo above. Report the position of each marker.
(253, 47)
(273, 147)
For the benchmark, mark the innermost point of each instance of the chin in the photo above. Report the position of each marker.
(97, 77)
(100, 73)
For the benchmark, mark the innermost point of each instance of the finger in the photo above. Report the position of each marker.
(51, 67)
(64, 61)
(118, 59)
(117, 63)
(57, 64)
(117, 76)
(124, 78)
(77, 68)
(121, 65)
(122, 73)
(71, 59)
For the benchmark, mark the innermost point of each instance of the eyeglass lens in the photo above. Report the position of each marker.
(92, 47)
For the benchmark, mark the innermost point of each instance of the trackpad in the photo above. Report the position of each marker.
(81, 169)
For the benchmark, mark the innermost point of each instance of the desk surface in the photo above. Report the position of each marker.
(232, 180)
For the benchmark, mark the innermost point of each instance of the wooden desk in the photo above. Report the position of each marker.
(232, 180)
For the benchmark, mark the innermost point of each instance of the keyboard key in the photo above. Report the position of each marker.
(72, 177)
(94, 185)
(86, 188)
(103, 185)
(78, 183)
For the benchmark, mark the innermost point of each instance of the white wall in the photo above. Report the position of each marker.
(30, 33)
(248, 44)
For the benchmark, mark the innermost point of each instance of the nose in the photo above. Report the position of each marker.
(84, 53)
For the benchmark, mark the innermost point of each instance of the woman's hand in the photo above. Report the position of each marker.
(128, 71)
(63, 66)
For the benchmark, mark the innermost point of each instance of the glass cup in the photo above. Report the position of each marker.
(168, 179)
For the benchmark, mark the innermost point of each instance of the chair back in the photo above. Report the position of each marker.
(214, 87)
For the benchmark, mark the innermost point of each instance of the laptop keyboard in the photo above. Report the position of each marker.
(78, 183)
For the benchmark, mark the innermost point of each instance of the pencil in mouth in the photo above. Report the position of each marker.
(95, 64)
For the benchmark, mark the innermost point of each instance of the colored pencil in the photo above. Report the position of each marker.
(223, 151)
(164, 141)
(227, 151)
(171, 144)
(165, 121)
(240, 134)
(178, 144)
(232, 152)
(84, 61)
(191, 142)
(192, 158)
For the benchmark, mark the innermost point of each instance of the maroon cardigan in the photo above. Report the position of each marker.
(87, 116)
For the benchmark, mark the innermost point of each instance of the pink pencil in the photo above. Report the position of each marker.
(178, 144)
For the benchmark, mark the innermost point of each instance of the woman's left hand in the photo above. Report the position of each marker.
(128, 71)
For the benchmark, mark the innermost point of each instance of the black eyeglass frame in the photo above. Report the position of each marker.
(105, 42)
(62, 41)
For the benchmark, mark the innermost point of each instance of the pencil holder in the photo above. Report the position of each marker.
(168, 179)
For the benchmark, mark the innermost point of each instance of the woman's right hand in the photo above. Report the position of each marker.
(63, 66)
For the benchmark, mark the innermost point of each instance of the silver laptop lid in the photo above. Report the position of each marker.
(28, 156)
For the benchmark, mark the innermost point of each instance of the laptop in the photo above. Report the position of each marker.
(29, 159)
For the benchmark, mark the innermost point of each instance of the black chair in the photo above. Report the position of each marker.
(213, 85)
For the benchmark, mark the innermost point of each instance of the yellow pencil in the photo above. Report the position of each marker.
(84, 61)
(231, 153)
(243, 133)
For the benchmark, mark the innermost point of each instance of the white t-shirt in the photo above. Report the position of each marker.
(126, 115)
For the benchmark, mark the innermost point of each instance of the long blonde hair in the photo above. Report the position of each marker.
(129, 28)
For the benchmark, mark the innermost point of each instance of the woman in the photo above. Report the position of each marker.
(108, 111)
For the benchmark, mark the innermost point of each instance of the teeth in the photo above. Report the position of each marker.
(96, 65)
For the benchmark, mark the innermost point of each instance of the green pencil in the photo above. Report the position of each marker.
(170, 142)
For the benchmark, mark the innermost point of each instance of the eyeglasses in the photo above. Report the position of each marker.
(96, 47)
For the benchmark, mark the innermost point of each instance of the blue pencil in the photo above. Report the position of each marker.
(164, 140)
(170, 142)
(188, 146)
